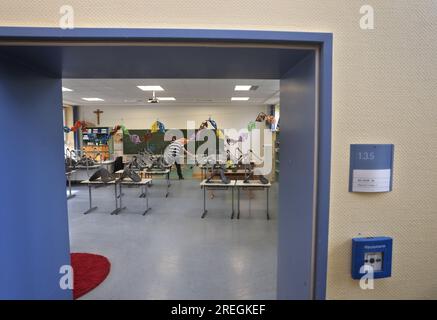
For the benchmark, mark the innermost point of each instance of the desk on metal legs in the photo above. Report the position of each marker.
(68, 174)
(217, 185)
(118, 193)
(165, 173)
(144, 183)
(251, 185)
(98, 183)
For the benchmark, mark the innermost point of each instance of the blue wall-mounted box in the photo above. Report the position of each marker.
(372, 251)
(371, 167)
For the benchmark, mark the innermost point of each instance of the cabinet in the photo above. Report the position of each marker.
(96, 144)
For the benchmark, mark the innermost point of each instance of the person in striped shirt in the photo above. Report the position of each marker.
(174, 154)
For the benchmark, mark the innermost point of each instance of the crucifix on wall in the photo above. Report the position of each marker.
(98, 112)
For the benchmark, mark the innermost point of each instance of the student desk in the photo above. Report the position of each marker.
(143, 184)
(165, 173)
(98, 183)
(216, 185)
(252, 185)
(118, 192)
(68, 174)
(232, 174)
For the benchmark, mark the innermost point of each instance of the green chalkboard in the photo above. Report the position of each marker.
(153, 142)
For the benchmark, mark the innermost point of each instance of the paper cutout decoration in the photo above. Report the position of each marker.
(157, 127)
(263, 117)
(154, 127)
(203, 125)
(77, 125)
(124, 130)
(260, 118)
(134, 138)
(251, 125)
(213, 123)
(219, 134)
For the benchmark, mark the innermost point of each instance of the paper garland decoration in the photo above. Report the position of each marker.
(213, 123)
(77, 125)
(263, 117)
(260, 118)
(157, 127)
(219, 134)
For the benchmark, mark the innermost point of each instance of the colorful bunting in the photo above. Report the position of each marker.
(77, 125)
(157, 127)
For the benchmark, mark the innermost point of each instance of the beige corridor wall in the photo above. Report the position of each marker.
(385, 91)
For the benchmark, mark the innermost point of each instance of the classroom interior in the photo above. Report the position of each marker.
(210, 235)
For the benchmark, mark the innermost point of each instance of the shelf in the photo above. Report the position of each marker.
(93, 151)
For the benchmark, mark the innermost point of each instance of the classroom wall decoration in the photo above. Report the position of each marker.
(269, 119)
(157, 127)
(83, 125)
(152, 139)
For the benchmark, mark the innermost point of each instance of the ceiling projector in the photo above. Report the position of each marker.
(153, 99)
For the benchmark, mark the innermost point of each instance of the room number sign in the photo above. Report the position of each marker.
(371, 167)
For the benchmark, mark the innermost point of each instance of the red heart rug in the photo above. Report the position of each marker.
(90, 270)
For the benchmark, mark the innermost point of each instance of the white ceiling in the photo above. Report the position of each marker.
(186, 91)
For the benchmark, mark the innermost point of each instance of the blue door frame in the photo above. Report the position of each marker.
(322, 155)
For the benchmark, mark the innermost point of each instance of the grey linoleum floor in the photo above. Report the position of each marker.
(171, 253)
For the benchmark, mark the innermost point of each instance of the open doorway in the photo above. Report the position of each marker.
(230, 253)
(302, 62)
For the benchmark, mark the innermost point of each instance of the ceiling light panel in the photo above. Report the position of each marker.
(92, 99)
(243, 87)
(151, 88)
(239, 98)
